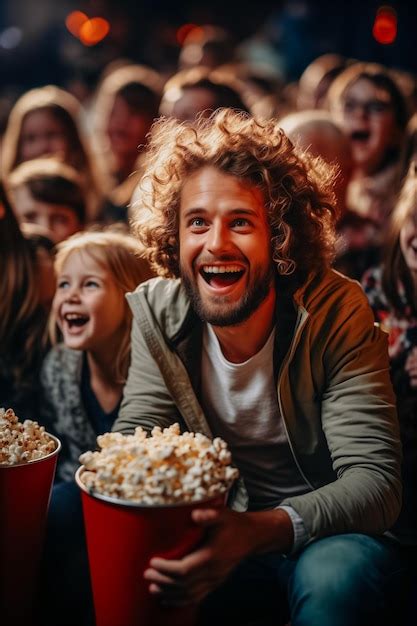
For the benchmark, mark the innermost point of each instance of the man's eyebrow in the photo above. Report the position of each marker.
(237, 211)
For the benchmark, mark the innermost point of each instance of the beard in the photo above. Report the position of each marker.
(222, 313)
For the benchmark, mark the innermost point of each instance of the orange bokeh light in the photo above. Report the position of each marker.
(93, 31)
(385, 25)
(184, 31)
(74, 22)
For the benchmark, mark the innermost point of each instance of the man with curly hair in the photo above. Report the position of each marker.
(249, 335)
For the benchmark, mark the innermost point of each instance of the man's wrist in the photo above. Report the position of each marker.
(272, 531)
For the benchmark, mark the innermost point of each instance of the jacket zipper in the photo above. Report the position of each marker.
(299, 327)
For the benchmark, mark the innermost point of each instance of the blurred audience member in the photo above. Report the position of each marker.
(369, 105)
(22, 318)
(126, 105)
(261, 86)
(200, 90)
(317, 133)
(43, 245)
(44, 122)
(409, 149)
(392, 293)
(207, 46)
(50, 194)
(315, 81)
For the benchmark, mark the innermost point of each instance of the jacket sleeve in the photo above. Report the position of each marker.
(146, 399)
(360, 425)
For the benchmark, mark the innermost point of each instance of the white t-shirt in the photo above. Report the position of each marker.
(241, 405)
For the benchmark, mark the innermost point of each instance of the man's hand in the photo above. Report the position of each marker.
(231, 538)
(411, 367)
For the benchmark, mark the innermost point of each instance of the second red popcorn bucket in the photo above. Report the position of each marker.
(25, 490)
(122, 537)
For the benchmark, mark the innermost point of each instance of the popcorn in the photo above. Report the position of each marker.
(166, 468)
(22, 442)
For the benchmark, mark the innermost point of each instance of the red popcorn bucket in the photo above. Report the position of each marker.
(25, 490)
(122, 537)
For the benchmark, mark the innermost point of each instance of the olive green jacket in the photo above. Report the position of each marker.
(333, 386)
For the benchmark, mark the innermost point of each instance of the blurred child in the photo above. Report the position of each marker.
(82, 381)
(23, 319)
(44, 122)
(50, 194)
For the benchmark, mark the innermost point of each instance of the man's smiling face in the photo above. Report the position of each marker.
(225, 246)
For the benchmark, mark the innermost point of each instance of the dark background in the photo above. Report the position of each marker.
(145, 31)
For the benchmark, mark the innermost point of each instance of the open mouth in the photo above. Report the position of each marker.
(360, 135)
(75, 320)
(218, 276)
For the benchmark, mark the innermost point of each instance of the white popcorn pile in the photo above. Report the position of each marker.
(166, 468)
(22, 442)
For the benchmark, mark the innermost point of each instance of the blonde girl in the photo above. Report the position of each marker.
(83, 377)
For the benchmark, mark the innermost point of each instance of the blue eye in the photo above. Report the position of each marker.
(91, 283)
(197, 221)
(62, 284)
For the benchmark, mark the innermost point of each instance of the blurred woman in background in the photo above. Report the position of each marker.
(44, 122)
(125, 107)
(371, 109)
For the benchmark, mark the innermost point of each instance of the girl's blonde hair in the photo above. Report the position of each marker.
(122, 256)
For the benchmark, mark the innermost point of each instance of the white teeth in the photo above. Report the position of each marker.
(74, 316)
(221, 269)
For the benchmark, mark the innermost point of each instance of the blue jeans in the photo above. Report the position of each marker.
(343, 580)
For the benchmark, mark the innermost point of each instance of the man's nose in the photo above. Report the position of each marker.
(218, 238)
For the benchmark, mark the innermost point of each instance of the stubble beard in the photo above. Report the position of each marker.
(222, 313)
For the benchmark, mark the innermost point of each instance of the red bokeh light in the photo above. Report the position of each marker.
(385, 26)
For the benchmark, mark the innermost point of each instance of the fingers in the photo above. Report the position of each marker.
(182, 567)
(157, 577)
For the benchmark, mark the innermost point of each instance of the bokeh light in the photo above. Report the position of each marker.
(385, 25)
(94, 30)
(184, 31)
(74, 22)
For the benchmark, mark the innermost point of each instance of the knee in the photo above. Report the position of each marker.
(335, 566)
(336, 581)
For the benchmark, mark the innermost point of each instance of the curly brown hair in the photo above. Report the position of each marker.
(297, 188)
